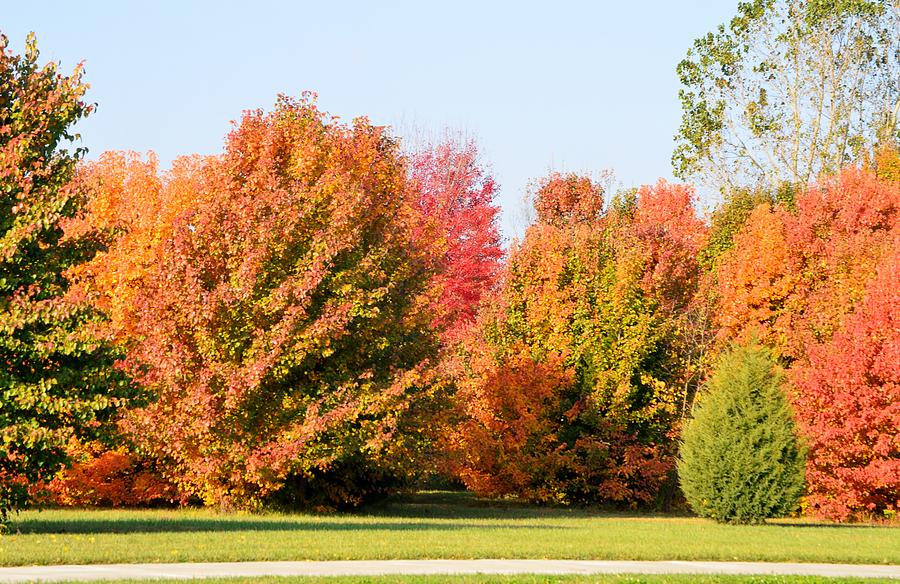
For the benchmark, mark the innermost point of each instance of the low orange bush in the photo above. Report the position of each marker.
(110, 478)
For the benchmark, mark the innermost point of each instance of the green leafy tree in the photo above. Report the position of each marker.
(740, 459)
(57, 379)
(789, 89)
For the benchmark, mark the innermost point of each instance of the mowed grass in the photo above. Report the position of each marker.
(533, 579)
(427, 525)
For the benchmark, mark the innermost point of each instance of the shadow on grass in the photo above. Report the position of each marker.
(465, 505)
(831, 525)
(408, 512)
(95, 526)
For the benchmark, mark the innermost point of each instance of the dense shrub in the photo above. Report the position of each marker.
(740, 460)
(110, 478)
(571, 385)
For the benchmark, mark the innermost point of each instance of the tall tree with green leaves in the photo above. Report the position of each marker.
(788, 90)
(57, 380)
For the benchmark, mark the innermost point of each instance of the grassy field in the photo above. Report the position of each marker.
(533, 579)
(428, 525)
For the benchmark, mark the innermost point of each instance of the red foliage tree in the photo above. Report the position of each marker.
(819, 285)
(568, 198)
(671, 235)
(457, 197)
(848, 401)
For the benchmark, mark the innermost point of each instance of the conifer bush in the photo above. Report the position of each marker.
(740, 460)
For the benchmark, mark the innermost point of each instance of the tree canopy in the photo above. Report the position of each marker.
(788, 90)
(58, 380)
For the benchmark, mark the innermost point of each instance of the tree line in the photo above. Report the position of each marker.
(317, 315)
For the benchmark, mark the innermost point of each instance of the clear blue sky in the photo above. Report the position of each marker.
(541, 85)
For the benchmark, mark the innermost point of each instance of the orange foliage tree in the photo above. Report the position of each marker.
(131, 212)
(273, 298)
(757, 280)
(571, 385)
(792, 278)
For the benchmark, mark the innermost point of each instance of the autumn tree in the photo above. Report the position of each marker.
(731, 215)
(129, 213)
(571, 385)
(456, 201)
(788, 90)
(568, 198)
(848, 401)
(131, 210)
(757, 282)
(793, 277)
(816, 285)
(281, 320)
(58, 378)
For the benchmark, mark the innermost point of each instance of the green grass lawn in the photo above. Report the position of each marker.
(428, 525)
(536, 579)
